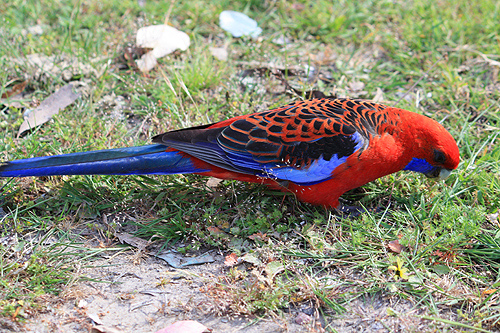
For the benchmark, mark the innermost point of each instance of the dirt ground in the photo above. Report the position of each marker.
(144, 296)
(128, 292)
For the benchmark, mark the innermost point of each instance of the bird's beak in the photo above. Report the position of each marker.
(444, 173)
(439, 173)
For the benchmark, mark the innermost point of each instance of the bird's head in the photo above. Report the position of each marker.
(433, 150)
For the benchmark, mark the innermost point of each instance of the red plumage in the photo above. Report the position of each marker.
(394, 137)
(317, 149)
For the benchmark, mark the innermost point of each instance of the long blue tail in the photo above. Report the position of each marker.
(143, 160)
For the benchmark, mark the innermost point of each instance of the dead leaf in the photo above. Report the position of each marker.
(231, 260)
(48, 108)
(215, 230)
(394, 246)
(446, 256)
(259, 236)
(185, 326)
(213, 182)
(137, 242)
(488, 291)
(178, 260)
(16, 89)
(251, 259)
(95, 318)
(273, 268)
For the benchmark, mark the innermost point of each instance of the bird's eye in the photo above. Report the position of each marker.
(439, 156)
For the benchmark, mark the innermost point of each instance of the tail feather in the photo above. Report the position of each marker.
(151, 159)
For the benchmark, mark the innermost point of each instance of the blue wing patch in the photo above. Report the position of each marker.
(318, 171)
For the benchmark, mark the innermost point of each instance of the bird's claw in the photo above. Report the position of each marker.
(355, 211)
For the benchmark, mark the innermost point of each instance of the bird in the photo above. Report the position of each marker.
(317, 149)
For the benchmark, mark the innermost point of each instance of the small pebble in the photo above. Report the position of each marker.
(302, 319)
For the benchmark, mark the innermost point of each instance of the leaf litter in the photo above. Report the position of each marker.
(178, 260)
(48, 108)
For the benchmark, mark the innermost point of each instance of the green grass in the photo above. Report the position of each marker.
(447, 53)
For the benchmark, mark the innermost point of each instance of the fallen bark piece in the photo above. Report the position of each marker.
(48, 108)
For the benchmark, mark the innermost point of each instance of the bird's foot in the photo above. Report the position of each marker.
(349, 211)
(354, 211)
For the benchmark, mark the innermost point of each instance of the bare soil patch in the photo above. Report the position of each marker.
(130, 292)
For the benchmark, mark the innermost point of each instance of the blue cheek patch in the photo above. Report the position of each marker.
(419, 165)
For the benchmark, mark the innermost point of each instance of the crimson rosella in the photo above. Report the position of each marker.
(317, 149)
